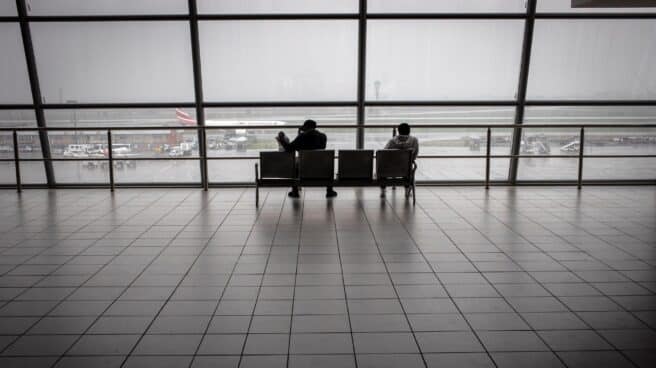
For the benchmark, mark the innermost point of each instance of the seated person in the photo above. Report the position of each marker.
(402, 141)
(309, 138)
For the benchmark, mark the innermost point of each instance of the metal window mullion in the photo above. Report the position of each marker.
(30, 61)
(198, 91)
(362, 60)
(527, 43)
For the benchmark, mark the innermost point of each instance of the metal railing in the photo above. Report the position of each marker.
(203, 157)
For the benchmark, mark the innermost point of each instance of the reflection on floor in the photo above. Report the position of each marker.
(180, 278)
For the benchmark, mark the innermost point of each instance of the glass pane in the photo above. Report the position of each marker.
(33, 172)
(440, 115)
(622, 141)
(619, 168)
(248, 142)
(558, 143)
(593, 59)
(17, 119)
(81, 172)
(106, 7)
(8, 8)
(164, 117)
(566, 6)
(460, 169)
(161, 171)
(138, 143)
(277, 6)
(13, 73)
(114, 61)
(279, 60)
(551, 168)
(443, 59)
(445, 6)
(231, 171)
(29, 146)
(612, 115)
(7, 172)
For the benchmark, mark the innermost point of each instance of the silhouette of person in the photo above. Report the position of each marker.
(402, 141)
(309, 138)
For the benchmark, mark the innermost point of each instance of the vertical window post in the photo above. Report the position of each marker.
(198, 92)
(362, 60)
(36, 91)
(17, 162)
(521, 89)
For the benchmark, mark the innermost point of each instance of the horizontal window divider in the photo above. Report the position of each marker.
(595, 15)
(279, 16)
(318, 16)
(282, 104)
(590, 103)
(73, 159)
(619, 156)
(108, 18)
(442, 103)
(119, 105)
(218, 158)
(587, 182)
(328, 126)
(391, 103)
(515, 15)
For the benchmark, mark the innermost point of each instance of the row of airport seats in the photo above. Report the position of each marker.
(354, 168)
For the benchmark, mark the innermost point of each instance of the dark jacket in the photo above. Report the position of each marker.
(311, 140)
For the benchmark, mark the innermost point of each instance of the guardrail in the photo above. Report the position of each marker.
(204, 158)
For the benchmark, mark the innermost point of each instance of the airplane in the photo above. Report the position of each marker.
(186, 119)
(234, 137)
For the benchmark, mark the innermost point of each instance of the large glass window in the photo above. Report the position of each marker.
(558, 143)
(445, 6)
(277, 6)
(455, 141)
(128, 145)
(105, 7)
(114, 61)
(443, 59)
(14, 82)
(279, 60)
(593, 59)
(550, 154)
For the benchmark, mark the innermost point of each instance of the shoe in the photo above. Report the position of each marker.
(382, 194)
(293, 194)
(330, 194)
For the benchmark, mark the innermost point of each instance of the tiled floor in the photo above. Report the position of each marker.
(512, 277)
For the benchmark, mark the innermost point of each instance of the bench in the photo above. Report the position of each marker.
(316, 168)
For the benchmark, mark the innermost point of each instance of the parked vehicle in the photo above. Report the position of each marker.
(175, 152)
